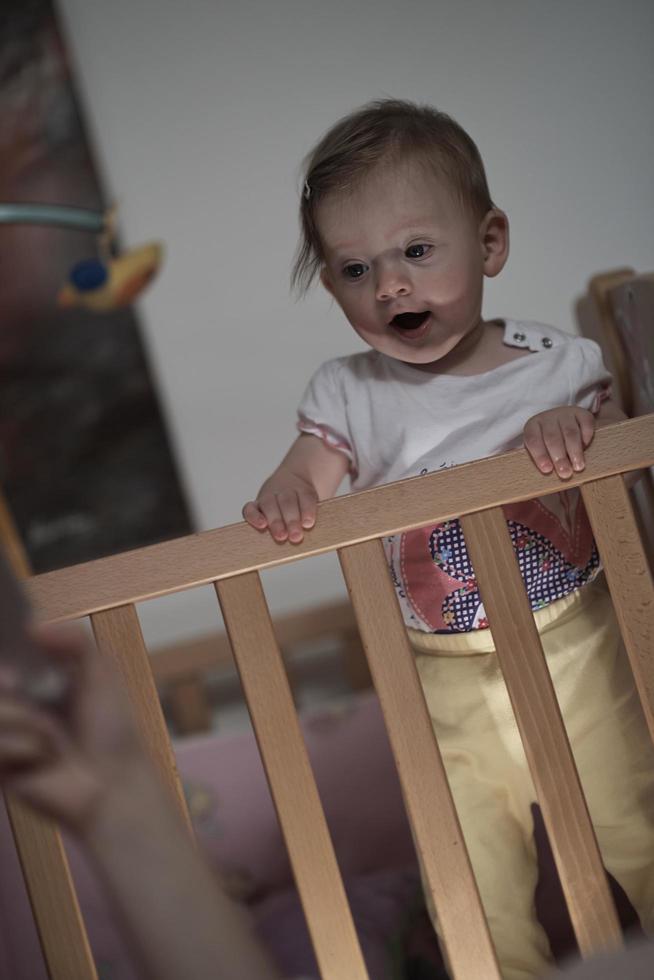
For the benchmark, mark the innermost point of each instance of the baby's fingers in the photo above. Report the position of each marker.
(308, 508)
(254, 516)
(534, 442)
(269, 510)
(546, 445)
(286, 514)
(574, 444)
(555, 439)
(289, 506)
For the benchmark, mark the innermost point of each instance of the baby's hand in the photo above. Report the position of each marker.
(285, 508)
(556, 439)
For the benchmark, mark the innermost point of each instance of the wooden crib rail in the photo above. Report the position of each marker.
(231, 558)
(204, 558)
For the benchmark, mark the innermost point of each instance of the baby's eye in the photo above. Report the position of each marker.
(355, 270)
(417, 251)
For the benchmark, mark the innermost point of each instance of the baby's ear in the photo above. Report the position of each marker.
(494, 240)
(326, 280)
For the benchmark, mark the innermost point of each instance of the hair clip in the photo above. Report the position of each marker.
(307, 191)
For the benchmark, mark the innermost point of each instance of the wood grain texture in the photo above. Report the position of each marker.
(290, 777)
(426, 791)
(520, 654)
(629, 579)
(41, 854)
(118, 636)
(600, 288)
(185, 562)
(52, 895)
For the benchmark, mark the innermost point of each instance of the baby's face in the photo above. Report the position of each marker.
(405, 262)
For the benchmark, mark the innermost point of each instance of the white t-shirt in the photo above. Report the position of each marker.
(393, 420)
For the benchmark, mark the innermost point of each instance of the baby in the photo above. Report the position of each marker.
(398, 223)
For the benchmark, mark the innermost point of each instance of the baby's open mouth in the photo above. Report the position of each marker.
(410, 321)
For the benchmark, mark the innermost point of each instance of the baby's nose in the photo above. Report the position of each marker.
(392, 283)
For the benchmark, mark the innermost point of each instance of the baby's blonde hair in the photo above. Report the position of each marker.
(384, 130)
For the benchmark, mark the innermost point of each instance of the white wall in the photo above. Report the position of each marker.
(201, 112)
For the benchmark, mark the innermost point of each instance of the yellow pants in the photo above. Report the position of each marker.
(490, 781)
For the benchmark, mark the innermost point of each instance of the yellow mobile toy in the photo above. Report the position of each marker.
(100, 284)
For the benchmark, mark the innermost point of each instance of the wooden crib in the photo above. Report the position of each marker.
(232, 557)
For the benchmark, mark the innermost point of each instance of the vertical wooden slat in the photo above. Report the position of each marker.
(426, 791)
(52, 895)
(40, 850)
(118, 636)
(545, 741)
(628, 576)
(291, 780)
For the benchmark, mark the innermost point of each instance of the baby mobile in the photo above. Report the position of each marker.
(104, 283)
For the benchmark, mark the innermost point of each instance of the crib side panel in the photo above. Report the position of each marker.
(363, 517)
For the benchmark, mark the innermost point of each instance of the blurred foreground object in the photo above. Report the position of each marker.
(23, 668)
